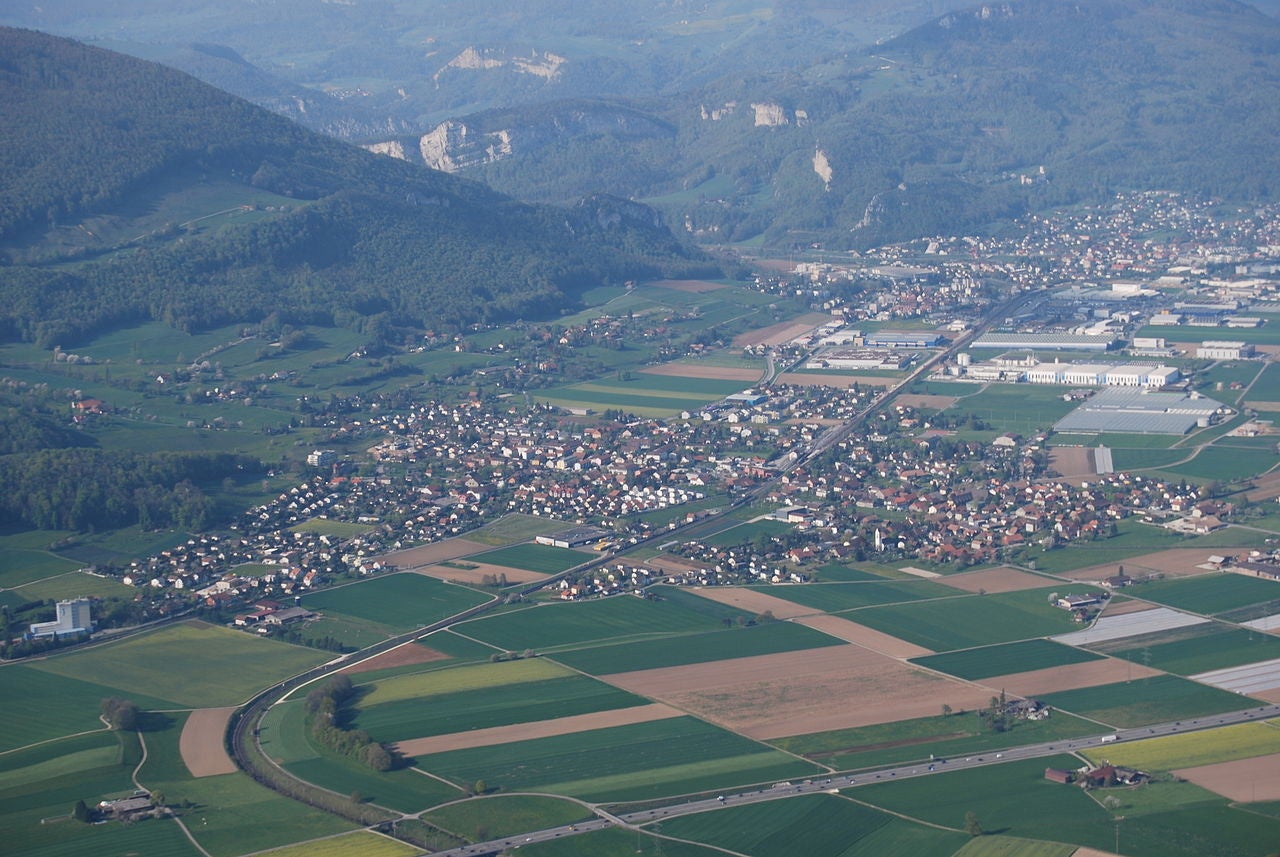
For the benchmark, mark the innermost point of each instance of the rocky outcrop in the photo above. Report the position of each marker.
(539, 64)
(453, 146)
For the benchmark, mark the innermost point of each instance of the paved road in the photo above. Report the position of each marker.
(818, 785)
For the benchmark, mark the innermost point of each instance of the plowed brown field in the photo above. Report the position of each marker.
(1246, 780)
(995, 580)
(795, 693)
(202, 742)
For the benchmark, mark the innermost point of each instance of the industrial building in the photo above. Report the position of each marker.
(1045, 341)
(903, 339)
(73, 618)
(1222, 350)
(1130, 411)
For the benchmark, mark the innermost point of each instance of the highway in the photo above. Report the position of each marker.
(839, 782)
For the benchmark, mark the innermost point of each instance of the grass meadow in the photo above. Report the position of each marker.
(833, 597)
(487, 707)
(1148, 700)
(1229, 647)
(482, 818)
(737, 642)
(957, 734)
(813, 825)
(194, 664)
(622, 618)
(400, 601)
(625, 763)
(1210, 593)
(1005, 659)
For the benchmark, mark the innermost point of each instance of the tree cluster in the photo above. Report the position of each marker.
(120, 714)
(325, 706)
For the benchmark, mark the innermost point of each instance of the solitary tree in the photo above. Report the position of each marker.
(972, 826)
(80, 812)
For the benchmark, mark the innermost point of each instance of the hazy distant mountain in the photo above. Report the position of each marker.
(129, 190)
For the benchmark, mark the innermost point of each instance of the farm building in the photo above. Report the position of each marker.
(1059, 776)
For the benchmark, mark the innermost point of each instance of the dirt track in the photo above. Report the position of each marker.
(539, 729)
(796, 693)
(433, 553)
(1069, 677)
(409, 653)
(994, 580)
(203, 744)
(861, 635)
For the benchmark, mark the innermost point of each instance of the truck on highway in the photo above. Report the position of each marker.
(1107, 739)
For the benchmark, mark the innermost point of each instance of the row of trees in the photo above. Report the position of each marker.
(324, 705)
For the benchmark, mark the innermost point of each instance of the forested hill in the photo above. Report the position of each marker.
(129, 190)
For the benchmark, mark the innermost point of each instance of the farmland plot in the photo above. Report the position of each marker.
(1130, 625)
(1249, 679)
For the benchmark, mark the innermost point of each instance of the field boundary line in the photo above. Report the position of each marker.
(51, 740)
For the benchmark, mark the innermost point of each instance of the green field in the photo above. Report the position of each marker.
(621, 618)
(43, 783)
(746, 534)
(1005, 659)
(832, 597)
(400, 601)
(65, 705)
(1192, 749)
(944, 737)
(483, 708)
(484, 818)
(1008, 846)
(1229, 647)
(1226, 463)
(625, 763)
(1149, 700)
(1210, 593)
(461, 679)
(616, 842)
(513, 529)
(815, 826)
(963, 622)
(738, 642)
(838, 573)
(545, 559)
(194, 664)
(24, 565)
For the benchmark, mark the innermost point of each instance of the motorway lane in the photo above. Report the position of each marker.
(818, 785)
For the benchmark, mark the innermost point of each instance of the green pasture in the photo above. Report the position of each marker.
(1210, 594)
(1146, 700)
(996, 845)
(737, 642)
(686, 387)
(402, 601)
(1118, 441)
(833, 597)
(1005, 659)
(747, 533)
(40, 785)
(1012, 799)
(490, 817)
(616, 842)
(1015, 407)
(544, 559)
(1128, 460)
(503, 674)
(514, 529)
(1226, 464)
(195, 664)
(19, 566)
(351, 631)
(52, 706)
(842, 573)
(640, 761)
(326, 527)
(1132, 539)
(644, 405)
(813, 825)
(402, 789)
(74, 584)
(1229, 647)
(963, 622)
(1267, 386)
(1192, 749)
(282, 732)
(621, 618)
(483, 708)
(961, 733)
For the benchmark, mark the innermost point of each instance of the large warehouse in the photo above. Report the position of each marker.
(1136, 411)
(1045, 341)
